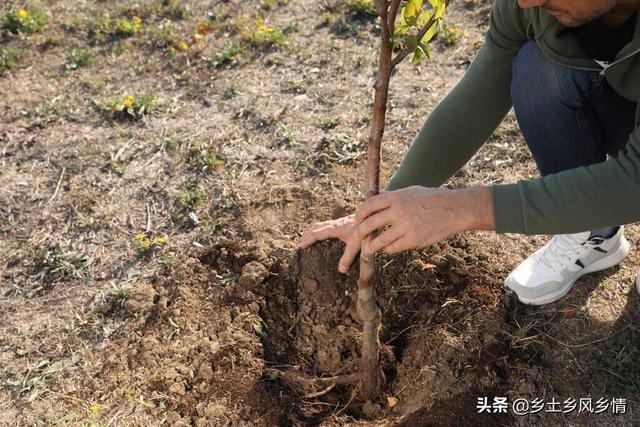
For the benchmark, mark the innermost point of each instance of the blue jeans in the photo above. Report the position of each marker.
(569, 118)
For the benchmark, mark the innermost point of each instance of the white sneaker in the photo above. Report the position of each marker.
(548, 274)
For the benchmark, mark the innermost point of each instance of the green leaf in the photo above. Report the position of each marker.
(401, 29)
(411, 42)
(423, 19)
(412, 11)
(430, 33)
(439, 6)
(417, 57)
(425, 50)
(420, 50)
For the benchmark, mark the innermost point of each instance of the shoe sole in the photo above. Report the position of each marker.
(609, 261)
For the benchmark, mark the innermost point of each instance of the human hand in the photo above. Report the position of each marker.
(416, 217)
(343, 229)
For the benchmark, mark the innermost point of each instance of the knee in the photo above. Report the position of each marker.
(538, 82)
(532, 82)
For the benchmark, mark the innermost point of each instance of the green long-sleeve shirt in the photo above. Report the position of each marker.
(600, 195)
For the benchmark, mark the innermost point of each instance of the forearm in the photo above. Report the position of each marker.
(460, 123)
(478, 212)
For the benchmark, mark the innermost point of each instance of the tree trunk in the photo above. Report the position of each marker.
(371, 376)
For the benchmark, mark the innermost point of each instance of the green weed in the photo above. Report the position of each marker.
(618, 364)
(342, 149)
(272, 4)
(130, 107)
(228, 53)
(326, 19)
(286, 138)
(230, 92)
(99, 28)
(128, 27)
(104, 27)
(75, 25)
(362, 8)
(61, 260)
(77, 58)
(209, 160)
(258, 34)
(451, 36)
(25, 21)
(192, 200)
(10, 59)
(330, 123)
(344, 28)
(167, 262)
(115, 299)
(296, 86)
(171, 9)
(41, 374)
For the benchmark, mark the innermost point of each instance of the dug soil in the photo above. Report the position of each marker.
(249, 350)
(149, 274)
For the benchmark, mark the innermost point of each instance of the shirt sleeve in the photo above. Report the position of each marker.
(471, 111)
(585, 198)
(599, 195)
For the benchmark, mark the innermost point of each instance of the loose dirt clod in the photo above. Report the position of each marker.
(253, 274)
(141, 299)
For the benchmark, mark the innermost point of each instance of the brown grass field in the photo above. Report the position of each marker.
(159, 162)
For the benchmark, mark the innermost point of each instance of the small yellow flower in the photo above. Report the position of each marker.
(137, 20)
(183, 46)
(140, 236)
(95, 409)
(197, 38)
(265, 29)
(22, 14)
(128, 101)
(161, 240)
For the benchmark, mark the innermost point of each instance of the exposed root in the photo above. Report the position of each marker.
(319, 393)
(311, 387)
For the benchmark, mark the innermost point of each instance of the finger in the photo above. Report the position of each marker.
(371, 205)
(315, 234)
(400, 245)
(349, 255)
(374, 222)
(385, 238)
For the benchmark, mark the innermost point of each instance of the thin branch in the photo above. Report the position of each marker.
(55, 193)
(406, 51)
(393, 13)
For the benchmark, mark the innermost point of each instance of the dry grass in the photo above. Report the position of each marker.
(247, 103)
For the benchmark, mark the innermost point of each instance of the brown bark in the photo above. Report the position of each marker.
(371, 376)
